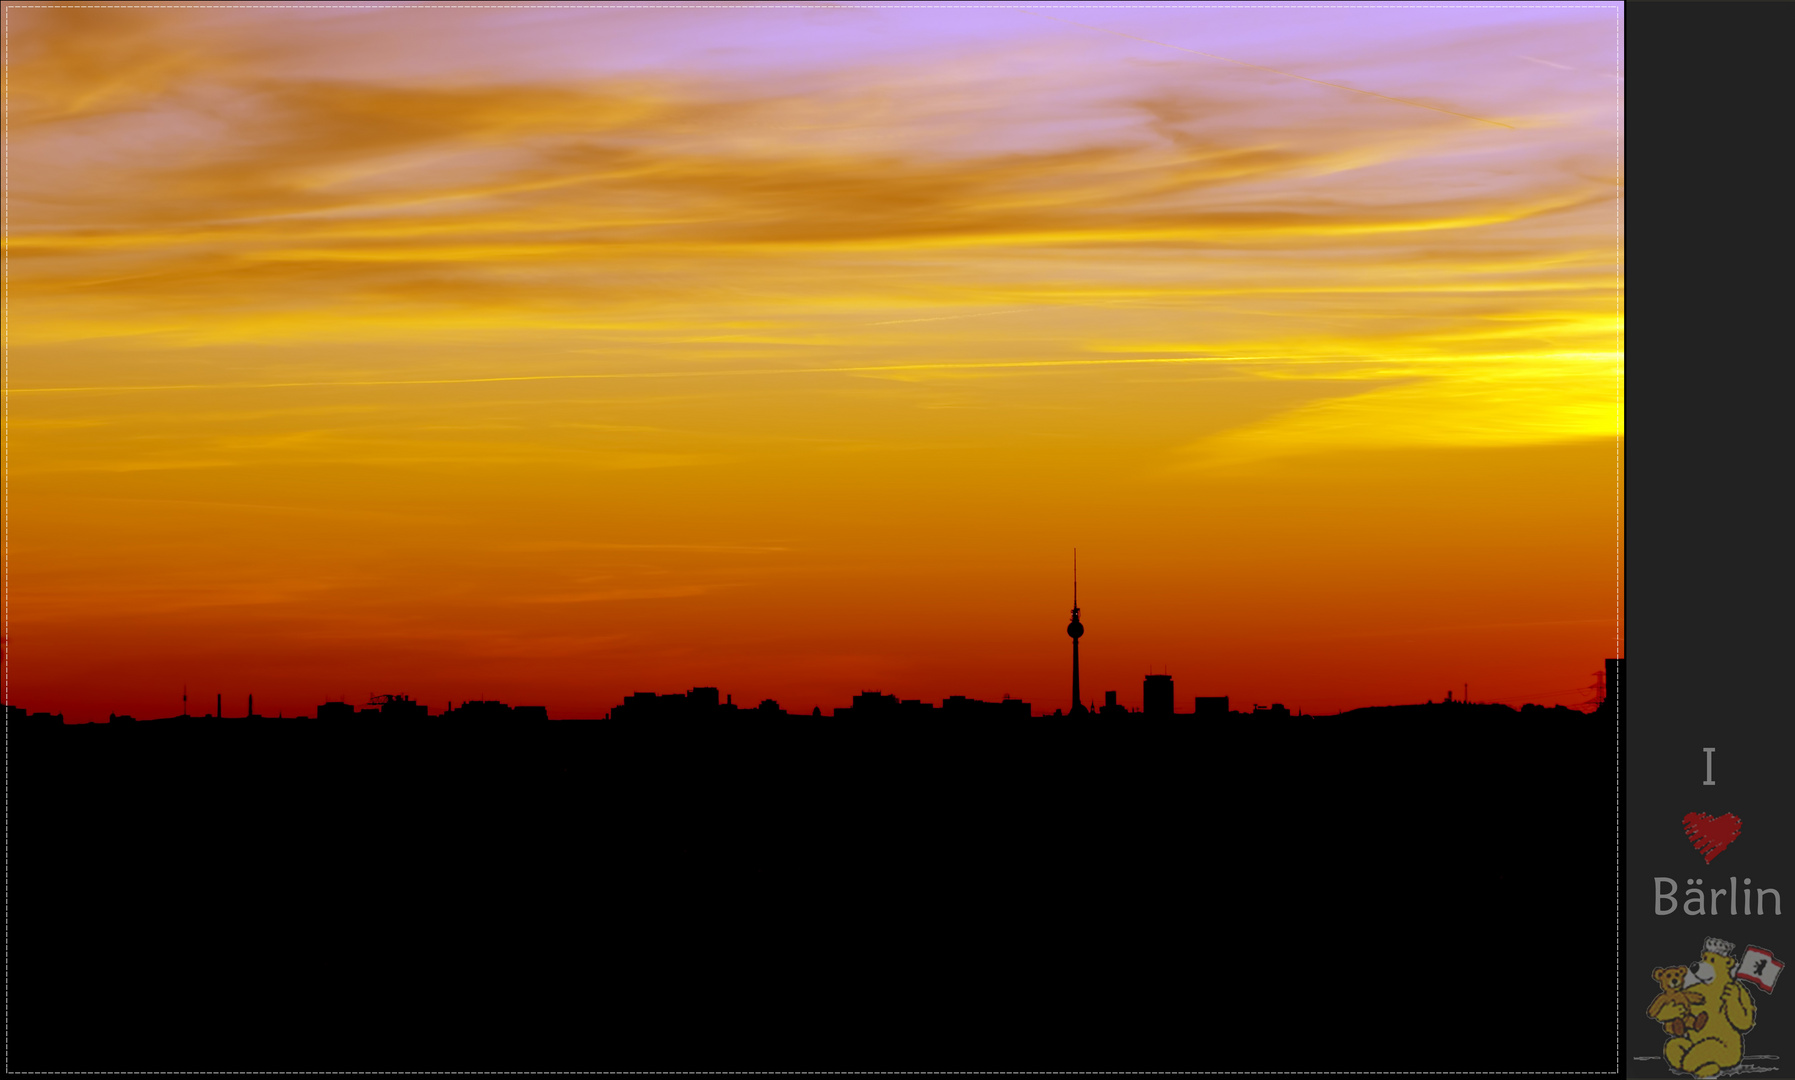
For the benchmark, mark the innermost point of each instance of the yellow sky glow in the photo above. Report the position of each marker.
(543, 354)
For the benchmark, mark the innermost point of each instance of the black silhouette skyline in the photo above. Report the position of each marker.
(1044, 888)
(706, 702)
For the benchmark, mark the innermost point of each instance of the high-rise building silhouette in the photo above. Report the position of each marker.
(1156, 695)
(1075, 630)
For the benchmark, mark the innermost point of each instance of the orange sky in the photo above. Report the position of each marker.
(551, 355)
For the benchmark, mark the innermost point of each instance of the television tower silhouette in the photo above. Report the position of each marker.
(1075, 630)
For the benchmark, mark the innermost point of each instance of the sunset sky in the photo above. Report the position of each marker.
(550, 355)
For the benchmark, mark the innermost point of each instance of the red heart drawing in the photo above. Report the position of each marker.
(1711, 835)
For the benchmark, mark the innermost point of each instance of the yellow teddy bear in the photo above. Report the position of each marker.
(1720, 1043)
(1675, 1002)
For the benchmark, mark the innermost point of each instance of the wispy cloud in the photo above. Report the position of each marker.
(630, 284)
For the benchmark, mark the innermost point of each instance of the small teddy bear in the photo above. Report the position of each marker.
(1670, 981)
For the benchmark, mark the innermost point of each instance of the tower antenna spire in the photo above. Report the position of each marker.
(1075, 630)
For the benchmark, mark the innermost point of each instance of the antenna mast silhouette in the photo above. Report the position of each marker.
(1075, 630)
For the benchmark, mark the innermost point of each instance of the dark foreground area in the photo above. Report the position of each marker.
(1029, 895)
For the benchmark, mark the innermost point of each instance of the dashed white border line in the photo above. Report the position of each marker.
(6, 513)
(1616, 692)
(6, 477)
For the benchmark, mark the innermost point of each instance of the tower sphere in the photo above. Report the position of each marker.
(1075, 629)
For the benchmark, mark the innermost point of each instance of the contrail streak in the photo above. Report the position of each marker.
(1275, 71)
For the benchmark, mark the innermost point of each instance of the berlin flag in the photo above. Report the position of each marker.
(1759, 968)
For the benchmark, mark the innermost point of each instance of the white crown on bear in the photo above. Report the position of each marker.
(1715, 945)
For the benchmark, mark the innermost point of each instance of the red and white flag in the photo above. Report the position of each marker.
(1759, 968)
